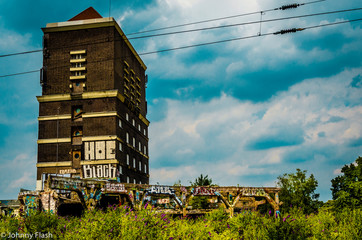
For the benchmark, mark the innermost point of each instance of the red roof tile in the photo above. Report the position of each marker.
(89, 13)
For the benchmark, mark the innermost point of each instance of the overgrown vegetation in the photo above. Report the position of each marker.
(124, 223)
(302, 216)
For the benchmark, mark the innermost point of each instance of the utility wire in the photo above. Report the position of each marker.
(284, 7)
(247, 23)
(211, 43)
(19, 53)
(21, 73)
(241, 38)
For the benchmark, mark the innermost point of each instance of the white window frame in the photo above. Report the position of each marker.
(134, 163)
(127, 117)
(127, 137)
(127, 157)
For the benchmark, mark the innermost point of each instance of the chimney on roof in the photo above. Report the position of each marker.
(89, 13)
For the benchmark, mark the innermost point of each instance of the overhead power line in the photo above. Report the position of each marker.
(19, 53)
(284, 7)
(201, 29)
(241, 38)
(21, 73)
(216, 42)
(246, 23)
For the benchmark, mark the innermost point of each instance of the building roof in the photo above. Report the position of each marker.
(89, 13)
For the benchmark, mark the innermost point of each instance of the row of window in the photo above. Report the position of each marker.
(135, 165)
(132, 85)
(128, 179)
(134, 144)
(134, 124)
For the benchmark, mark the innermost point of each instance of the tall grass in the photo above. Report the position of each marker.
(125, 223)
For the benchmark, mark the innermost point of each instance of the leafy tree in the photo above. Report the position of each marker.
(297, 190)
(347, 188)
(202, 181)
(202, 202)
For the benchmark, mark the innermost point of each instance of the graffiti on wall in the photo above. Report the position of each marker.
(257, 192)
(99, 150)
(99, 171)
(31, 204)
(163, 201)
(48, 201)
(161, 190)
(202, 191)
(114, 187)
(67, 171)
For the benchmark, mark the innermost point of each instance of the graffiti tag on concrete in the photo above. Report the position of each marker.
(253, 192)
(67, 171)
(161, 190)
(201, 191)
(114, 187)
(99, 171)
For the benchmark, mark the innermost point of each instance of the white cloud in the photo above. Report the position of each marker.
(212, 136)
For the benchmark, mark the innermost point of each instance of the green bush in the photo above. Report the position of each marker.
(125, 223)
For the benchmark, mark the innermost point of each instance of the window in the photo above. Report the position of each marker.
(77, 112)
(120, 170)
(139, 146)
(144, 132)
(139, 127)
(120, 147)
(134, 181)
(120, 123)
(145, 150)
(133, 122)
(127, 117)
(127, 157)
(127, 179)
(127, 138)
(145, 168)
(134, 163)
(78, 73)
(140, 166)
(78, 64)
(140, 182)
(134, 142)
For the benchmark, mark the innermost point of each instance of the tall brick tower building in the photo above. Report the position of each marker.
(92, 111)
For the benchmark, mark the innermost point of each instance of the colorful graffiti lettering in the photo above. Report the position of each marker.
(253, 192)
(48, 201)
(31, 204)
(201, 191)
(114, 187)
(99, 171)
(161, 190)
(163, 201)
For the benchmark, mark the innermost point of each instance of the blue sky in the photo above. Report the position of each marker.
(243, 112)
